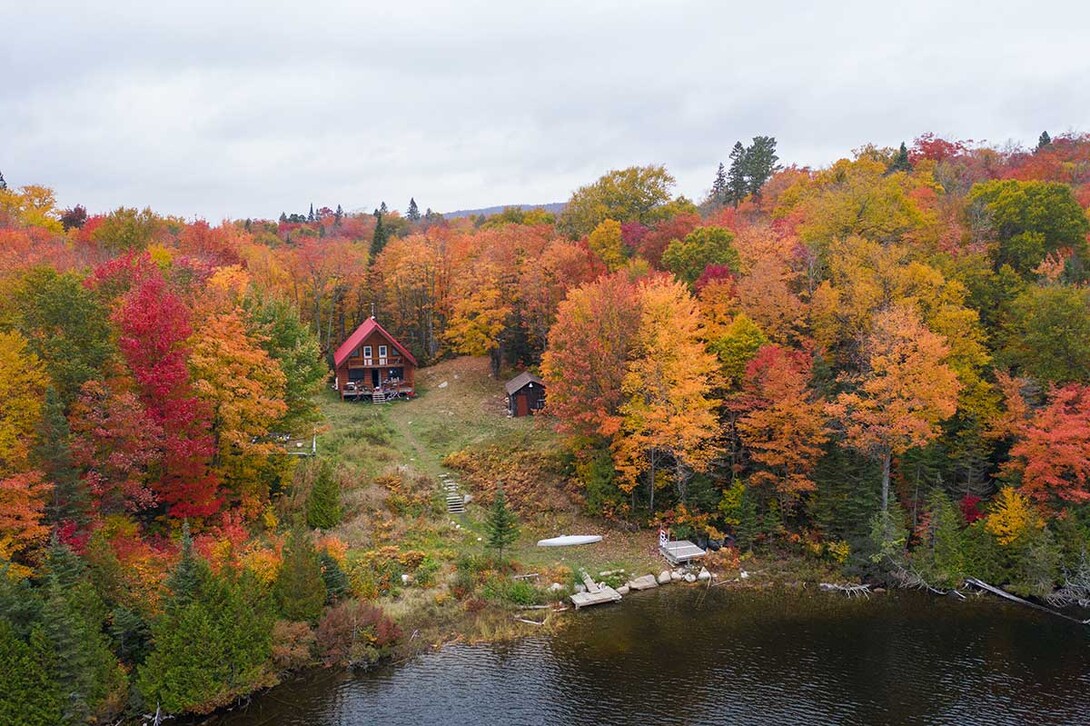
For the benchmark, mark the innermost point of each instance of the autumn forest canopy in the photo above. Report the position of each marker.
(884, 363)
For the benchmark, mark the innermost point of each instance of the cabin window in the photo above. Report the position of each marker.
(356, 374)
(366, 351)
(382, 351)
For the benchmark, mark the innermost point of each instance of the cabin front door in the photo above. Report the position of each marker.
(374, 378)
(522, 406)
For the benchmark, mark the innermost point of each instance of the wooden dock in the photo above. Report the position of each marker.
(596, 593)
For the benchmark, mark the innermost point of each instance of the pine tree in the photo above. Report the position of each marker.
(413, 214)
(383, 209)
(3, 184)
(1042, 141)
(310, 216)
(336, 582)
(736, 177)
(300, 589)
(900, 160)
(719, 186)
(338, 216)
(283, 218)
(324, 502)
(760, 163)
(501, 525)
(70, 501)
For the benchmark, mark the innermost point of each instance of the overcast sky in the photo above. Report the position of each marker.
(244, 109)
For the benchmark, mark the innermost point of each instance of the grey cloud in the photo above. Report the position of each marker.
(247, 108)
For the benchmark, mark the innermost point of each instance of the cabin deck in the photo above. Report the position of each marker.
(678, 552)
(382, 394)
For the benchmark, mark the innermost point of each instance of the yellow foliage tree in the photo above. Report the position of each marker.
(668, 413)
(1012, 517)
(605, 241)
(245, 389)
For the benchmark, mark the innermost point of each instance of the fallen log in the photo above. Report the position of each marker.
(980, 584)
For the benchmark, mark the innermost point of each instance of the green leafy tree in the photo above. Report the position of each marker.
(1047, 334)
(300, 589)
(501, 526)
(324, 502)
(293, 345)
(704, 246)
(65, 325)
(635, 194)
(1029, 220)
(126, 229)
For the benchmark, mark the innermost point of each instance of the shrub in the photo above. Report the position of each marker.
(292, 645)
(516, 592)
(355, 633)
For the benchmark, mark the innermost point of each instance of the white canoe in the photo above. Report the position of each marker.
(569, 539)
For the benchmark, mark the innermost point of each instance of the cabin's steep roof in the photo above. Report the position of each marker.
(521, 380)
(369, 326)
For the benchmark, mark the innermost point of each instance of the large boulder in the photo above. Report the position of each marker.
(643, 583)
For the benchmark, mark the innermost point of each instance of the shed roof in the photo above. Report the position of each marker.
(521, 380)
(354, 340)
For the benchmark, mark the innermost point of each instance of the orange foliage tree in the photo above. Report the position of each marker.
(906, 391)
(785, 426)
(1051, 454)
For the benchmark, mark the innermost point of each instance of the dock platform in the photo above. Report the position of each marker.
(596, 593)
(678, 552)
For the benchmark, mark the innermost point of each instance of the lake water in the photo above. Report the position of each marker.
(697, 656)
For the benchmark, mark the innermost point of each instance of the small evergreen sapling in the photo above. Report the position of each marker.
(502, 525)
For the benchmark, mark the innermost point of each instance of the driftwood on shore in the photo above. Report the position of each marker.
(849, 590)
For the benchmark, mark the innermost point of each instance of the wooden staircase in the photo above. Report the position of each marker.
(378, 397)
(456, 501)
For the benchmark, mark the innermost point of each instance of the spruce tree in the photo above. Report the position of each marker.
(900, 160)
(70, 501)
(189, 575)
(310, 216)
(336, 582)
(381, 236)
(324, 502)
(736, 177)
(1043, 140)
(338, 216)
(501, 525)
(300, 589)
(719, 191)
(28, 695)
(383, 209)
(283, 218)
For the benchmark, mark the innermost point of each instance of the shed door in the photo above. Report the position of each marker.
(522, 404)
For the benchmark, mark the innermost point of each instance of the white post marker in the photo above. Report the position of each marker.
(663, 537)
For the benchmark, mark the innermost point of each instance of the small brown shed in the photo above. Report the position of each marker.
(525, 394)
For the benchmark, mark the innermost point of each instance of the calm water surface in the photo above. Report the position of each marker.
(681, 655)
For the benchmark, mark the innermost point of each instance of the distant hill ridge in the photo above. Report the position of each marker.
(554, 207)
